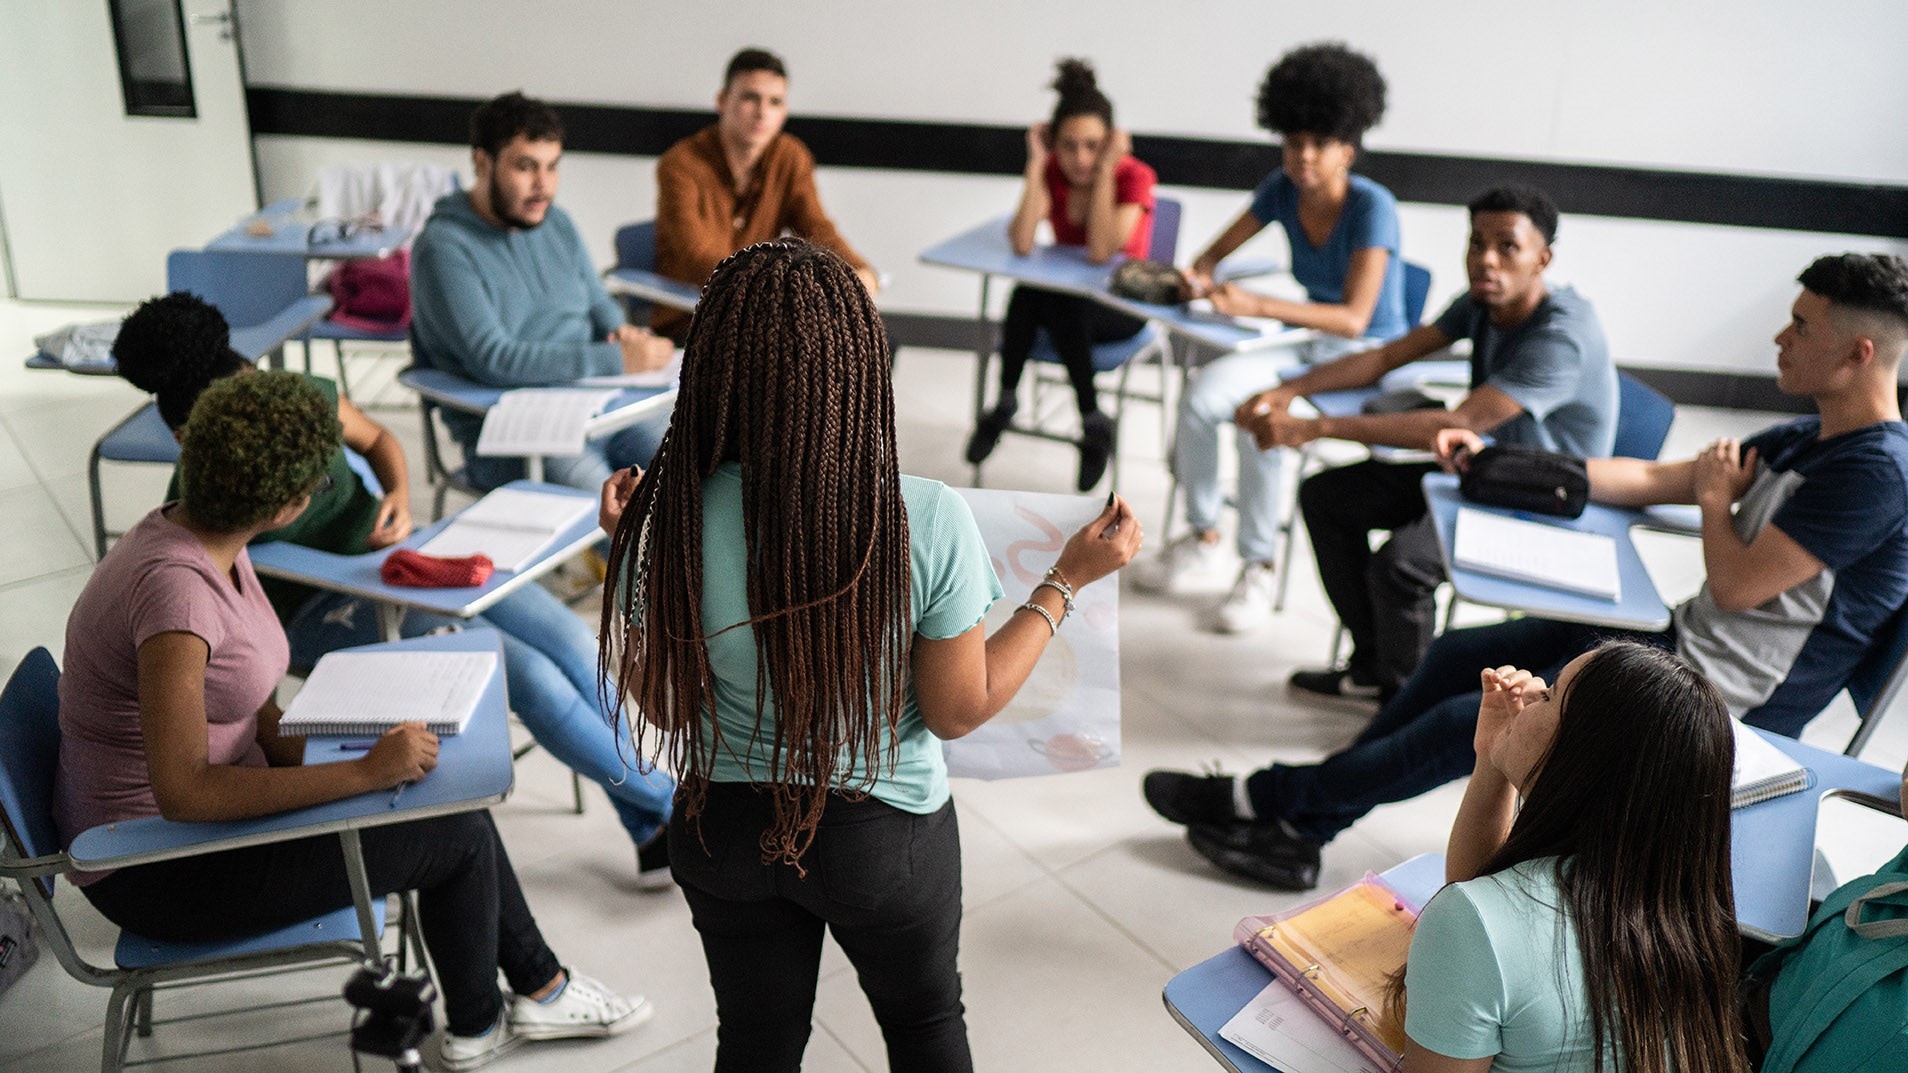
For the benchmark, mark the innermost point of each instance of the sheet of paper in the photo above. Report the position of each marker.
(1277, 1028)
(510, 525)
(1762, 771)
(1548, 555)
(1067, 716)
(369, 692)
(547, 422)
(667, 376)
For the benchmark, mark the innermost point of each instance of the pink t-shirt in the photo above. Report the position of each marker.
(157, 579)
(1132, 185)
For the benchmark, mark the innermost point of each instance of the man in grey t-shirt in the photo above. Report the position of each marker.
(1541, 376)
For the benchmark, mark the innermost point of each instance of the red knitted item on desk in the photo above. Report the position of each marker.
(412, 570)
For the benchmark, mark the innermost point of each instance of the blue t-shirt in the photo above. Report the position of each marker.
(1845, 501)
(1369, 220)
(951, 583)
(1554, 363)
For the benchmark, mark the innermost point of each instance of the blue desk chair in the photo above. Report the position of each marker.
(1150, 343)
(1644, 415)
(443, 476)
(141, 438)
(636, 248)
(1878, 679)
(29, 757)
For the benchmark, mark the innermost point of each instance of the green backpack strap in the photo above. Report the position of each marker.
(1817, 1008)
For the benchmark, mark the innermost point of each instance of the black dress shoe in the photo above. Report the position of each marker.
(1096, 447)
(1262, 852)
(1185, 798)
(987, 433)
(1336, 682)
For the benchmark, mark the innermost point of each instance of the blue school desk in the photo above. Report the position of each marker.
(985, 250)
(652, 288)
(290, 233)
(357, 575)
(453, 392)
(1640, 607)
(473, 771)
(1772, 853)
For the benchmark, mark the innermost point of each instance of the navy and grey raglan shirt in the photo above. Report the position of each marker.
(1844, 499)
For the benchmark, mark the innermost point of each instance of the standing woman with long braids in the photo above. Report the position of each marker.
(800, 626)
(1083, 178)
(1594, 929)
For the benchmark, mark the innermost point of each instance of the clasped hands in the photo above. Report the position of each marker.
(1723, 473)
(1267, 416)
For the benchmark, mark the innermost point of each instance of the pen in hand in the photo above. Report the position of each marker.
(397, 793)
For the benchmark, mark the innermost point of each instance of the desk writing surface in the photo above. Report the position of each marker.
(1640, 606)
(253, 342)
(290, 233)
(473, 770)
(358, 574)
(1772, 843)
(1417, 374)
(650, 287)
(985, 249)
(1206, 996)
(468, 396)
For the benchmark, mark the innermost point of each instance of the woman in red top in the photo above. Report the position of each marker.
(1082, 177)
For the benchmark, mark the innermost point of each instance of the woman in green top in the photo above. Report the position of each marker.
(801, 625)
(1594, 928)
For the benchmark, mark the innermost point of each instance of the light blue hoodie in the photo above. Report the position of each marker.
(508, 307)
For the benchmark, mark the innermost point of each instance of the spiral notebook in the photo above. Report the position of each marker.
(1762, 770)
(1337, 955)
(1538, 553)
(368, 693)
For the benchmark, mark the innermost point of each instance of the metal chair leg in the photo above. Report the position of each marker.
(142, 1012)
(576, 789)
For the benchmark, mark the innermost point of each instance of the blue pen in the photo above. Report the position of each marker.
(356, 746)
(397, 793)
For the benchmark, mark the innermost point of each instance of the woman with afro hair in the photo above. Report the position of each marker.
(1343, 228)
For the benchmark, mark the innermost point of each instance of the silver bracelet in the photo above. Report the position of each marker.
(1066, 596)
(1052, 626)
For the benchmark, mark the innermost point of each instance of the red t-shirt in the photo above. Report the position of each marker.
(1132, 185)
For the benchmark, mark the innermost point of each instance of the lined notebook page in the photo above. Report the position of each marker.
(1547, 555)
(371, 692)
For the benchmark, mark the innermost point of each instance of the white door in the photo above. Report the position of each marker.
(123, 137)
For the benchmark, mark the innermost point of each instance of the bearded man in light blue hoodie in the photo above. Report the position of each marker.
(503, 292)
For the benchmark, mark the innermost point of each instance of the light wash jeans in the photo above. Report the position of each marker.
(550, 668)
(1207, 404)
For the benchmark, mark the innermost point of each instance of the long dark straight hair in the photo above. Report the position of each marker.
(1632, 797)
(785, 372)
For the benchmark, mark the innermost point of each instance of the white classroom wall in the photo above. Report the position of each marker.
(1758, 87)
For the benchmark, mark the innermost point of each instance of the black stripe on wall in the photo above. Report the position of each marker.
(1594, 189)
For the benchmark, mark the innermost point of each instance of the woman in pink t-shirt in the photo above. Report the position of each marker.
(173, 654)
(1082, 178)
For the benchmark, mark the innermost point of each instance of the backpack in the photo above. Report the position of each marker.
(1838, 993)
(373, 293)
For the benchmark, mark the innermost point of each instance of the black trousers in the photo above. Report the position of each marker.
(472, 912)
(1073, 323)
(885, 883)
(1384, 598)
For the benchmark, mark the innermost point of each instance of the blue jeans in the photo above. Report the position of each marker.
(633, 446)
(1422, 738)
(1206, 406)
(550, 668)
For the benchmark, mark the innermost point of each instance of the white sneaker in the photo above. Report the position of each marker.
(1249, 605)
(584, 1008)
(1186, 562)
(458, 1053)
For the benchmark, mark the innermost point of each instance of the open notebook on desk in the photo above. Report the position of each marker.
(510, 525)
(1762, 771)
(1540, 554)
(541, 421)
(370, 692)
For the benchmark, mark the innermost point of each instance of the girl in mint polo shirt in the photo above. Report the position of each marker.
(1594, 928)
(799, 624)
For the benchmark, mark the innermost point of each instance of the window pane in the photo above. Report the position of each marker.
(154, 75)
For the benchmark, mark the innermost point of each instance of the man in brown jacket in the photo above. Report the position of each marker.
(740, 181)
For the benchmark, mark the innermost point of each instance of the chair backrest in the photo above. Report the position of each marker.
(1417, 283)
(1165, 245)
(636, 245)
(29, 755)
(248, 288)
(1643, 419)
(1878, 679)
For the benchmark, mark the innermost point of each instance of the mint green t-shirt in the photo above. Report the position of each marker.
(1495, 970)
(952, 584)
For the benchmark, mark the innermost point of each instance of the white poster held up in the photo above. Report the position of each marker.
(1067, 717)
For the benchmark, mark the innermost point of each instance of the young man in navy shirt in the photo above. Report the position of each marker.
(1805, 542)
